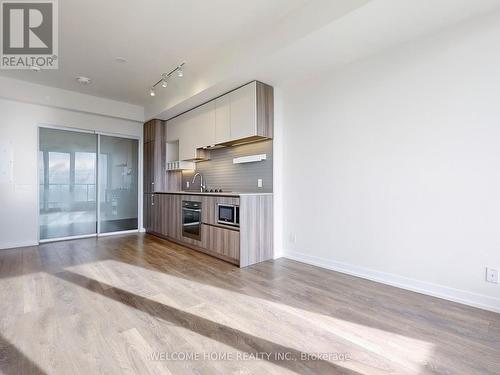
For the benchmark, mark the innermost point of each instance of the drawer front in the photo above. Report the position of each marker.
(221, 241)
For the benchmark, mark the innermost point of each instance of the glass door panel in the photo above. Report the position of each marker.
(118, 184)
(67, 181)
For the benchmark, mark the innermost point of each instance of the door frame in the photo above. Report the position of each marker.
(98, 133)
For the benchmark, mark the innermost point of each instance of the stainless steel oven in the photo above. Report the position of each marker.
(228, 214)
(191, 220)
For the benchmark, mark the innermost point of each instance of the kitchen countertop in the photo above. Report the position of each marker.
(222, 194)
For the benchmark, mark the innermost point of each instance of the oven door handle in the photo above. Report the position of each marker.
(191, 209)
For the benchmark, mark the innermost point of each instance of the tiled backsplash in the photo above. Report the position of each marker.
(220, 172)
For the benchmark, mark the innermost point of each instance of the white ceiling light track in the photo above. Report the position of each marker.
(165, 77)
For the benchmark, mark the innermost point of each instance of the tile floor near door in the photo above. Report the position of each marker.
(138, 304)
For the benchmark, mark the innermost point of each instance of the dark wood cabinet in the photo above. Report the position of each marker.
(147, 212)
(153, 211)
(153, 130)
(162, 215)
(154, 156)
(154, 174)
(148, 167)
(174, 226)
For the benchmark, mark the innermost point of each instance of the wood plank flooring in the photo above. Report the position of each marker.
(137, 304)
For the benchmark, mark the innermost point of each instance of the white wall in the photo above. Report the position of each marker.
(18, 194)
(392, 166)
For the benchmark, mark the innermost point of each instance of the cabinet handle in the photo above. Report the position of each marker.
(152, 199)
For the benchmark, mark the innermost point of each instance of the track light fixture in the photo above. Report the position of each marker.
(166, 76)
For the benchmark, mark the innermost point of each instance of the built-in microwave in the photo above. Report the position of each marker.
(228, 214)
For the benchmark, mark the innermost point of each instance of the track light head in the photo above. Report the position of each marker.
(163, 81)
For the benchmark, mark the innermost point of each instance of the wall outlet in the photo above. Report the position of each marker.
(293, 238)
(492, 275)
(187, 184)
(259, 182)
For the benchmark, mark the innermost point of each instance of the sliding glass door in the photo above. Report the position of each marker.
(68, 193)
(118, 173)
(68, 171)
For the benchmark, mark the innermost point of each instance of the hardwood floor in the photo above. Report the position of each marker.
(139, 304)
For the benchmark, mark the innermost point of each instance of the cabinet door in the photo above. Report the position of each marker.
(197, 130)
(244, 112)
(204, 125)
(147, 134)
(156, 213)
(163, 209)
(187, 149)
(174, 229)
(223, 119)
(154, 168)
(158, 165)
(221, 241)
(173, 127)
(148, 170)
(147, 212)
(152, 130)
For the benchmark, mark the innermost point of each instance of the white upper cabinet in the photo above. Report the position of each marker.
(194, 129)
(244, 112)
(223, 119)
(203, 125)
(174, 129)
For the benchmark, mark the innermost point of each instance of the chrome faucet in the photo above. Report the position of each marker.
(202, 187)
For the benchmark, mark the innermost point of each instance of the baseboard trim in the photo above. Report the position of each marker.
(423, 287)
(13, 245)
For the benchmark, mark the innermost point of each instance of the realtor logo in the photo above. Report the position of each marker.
(29, 34)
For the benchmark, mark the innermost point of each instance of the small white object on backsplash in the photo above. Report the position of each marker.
(249, 159)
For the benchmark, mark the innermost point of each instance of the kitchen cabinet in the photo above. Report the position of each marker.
(157, 213)
(154, 212)
(203, 125)
(148, 167)
(223, 119)
(242, 115)
(197, 131)
(222, 241)
(209, 213)
(147, 212)
(250, 243)
(154, 175)
(243, 112)
(193, 130)
(251, 113)
(152, 130)
(174, 213)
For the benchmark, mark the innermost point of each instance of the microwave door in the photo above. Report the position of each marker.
(226, 214)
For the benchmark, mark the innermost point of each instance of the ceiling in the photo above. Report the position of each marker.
(226, 43)
(154, 36)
